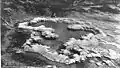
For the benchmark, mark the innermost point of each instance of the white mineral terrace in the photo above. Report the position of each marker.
(79, 45)
(67, 20)
(76, 24)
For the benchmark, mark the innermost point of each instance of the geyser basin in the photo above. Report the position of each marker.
(64, 40)
(60, 27)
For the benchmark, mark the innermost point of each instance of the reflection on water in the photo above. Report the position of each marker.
(63, 32)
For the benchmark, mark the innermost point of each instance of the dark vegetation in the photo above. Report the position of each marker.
(13, 11)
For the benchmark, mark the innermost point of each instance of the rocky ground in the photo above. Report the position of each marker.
(13, 37)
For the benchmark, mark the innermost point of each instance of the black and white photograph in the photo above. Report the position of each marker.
(60, 33)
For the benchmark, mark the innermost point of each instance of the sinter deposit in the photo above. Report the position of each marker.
(73, 49)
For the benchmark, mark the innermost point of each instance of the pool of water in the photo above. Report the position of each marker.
(62, 31)
(80, 65)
